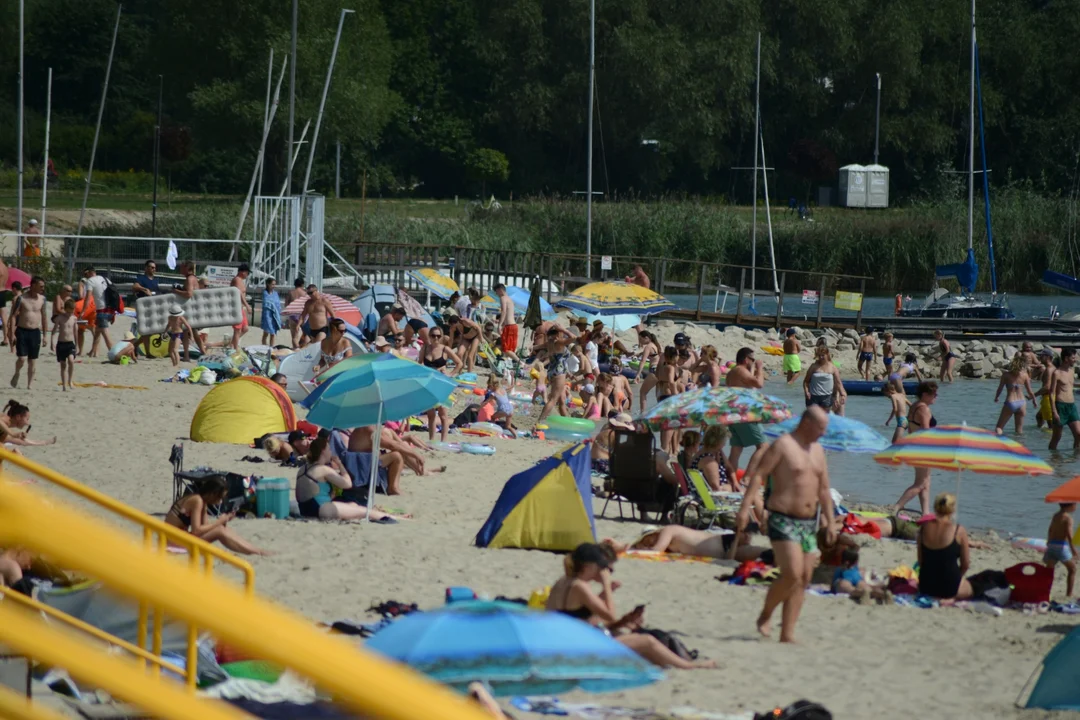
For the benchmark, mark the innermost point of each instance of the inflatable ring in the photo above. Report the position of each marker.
(448, 447)
(571, 425)
(483, 429)
(477, 449)
(772, 350)
(479, 391)
(520, 396)
(557, 435)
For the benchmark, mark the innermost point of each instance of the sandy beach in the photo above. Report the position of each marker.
(859, 661)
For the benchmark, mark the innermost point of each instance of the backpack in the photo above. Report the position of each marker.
(799, 710)
(113, 302)
(672, 643)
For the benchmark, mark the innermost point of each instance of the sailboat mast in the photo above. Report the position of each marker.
(757, 136)
(971, 139)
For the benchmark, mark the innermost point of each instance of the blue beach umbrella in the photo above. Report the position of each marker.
(371, 394)
(843, 434)
(515, 650)
(520, 298)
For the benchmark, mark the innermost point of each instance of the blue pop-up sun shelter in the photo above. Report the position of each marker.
(547, 507)
(1058, 686)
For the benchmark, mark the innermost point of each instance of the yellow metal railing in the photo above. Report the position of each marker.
(14, 706)
(156, 534)
(362, 681)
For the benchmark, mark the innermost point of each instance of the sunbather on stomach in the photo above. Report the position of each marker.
(701, 543)
(572, 595)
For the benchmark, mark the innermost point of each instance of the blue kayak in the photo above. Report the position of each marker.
(873, 387)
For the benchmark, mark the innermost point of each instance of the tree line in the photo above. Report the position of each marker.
(444, 97)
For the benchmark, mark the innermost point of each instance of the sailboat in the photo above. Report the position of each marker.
(759, 155)
(941, 302)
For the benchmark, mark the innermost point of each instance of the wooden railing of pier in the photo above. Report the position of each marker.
(561, 272)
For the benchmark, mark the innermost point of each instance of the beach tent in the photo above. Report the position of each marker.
(1058, 686)
(376, 301)
(240, 410)
(547, 507)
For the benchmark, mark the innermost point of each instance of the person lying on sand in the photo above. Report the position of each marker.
(288, 451)
(189, 513)
(572, 595)
(700, 543)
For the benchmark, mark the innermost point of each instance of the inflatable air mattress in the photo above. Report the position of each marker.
(215, 307)
(873, 387)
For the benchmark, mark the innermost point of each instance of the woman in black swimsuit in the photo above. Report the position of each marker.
(944, 554)
(465, 336)
(713, 462)
(572, 595)
(919, 418)
(189, 514)
(948, 357)
(435, 355)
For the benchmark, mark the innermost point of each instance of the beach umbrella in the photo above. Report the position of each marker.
(375, 392)
(15, 275)
(534, 311)
(413, 309)
(520, 298)
(1068, 492)
(435, 282)
(614, 323)
(349, 363)
(843, 434)
(342, 308)
(715, 406)
(514, 650)
(960, 448)
(615, 298)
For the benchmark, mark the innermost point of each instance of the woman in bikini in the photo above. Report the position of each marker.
(314, 481)
(908, 368)
(713, 462)
(335, 347)
(573, 595)
(948, 357)
(558, 340)
(465, 336)
(190, 514)
(1018, 383)
(436, 355)
(707, 368)
(15, 422)
(920, 417)
(623, 394)
(650, 353)
(666, 379)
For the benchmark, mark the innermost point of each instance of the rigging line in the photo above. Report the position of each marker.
(603, 150)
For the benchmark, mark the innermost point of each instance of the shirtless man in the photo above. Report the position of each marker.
(799, 489)
(239, 282)
(31, 321)
(792, 361)
(1042, 371)
(1061, 395)
(687, 541)
(58, 309)
(293, 321)
(746, 373)
(868, 352)
(191, 284)
(317, 314)
(390, 324)
(360, 440)
(507, 329)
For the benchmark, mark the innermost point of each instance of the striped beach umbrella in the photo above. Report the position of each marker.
(342, 308)
(435, 282)
(615, 298)
(961, 447)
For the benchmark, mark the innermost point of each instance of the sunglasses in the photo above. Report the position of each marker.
(434, 336)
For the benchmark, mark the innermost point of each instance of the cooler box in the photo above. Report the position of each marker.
(272, 498)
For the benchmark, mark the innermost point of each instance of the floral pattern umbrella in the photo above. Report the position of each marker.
(715, 406)
(842, 435)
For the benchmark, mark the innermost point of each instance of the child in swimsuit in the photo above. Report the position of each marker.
(177, 327)
(887, 352)
(1059, 544)
(900, 407)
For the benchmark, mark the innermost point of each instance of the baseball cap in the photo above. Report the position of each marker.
(1046, 352)
(681, 339)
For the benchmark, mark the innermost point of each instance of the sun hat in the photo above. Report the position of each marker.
(176, 311)
(622, 420)
(589, 388)
(33, 221)
(381, 342)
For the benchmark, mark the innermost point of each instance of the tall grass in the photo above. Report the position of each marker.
(897, 248)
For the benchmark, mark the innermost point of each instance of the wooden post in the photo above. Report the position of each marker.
(780, 300)
(862, 296)
(359, 254)
(662, 279)
(550, 262)
(363, 203)
(399, 274)
(742, 287)
(458, 260)
(700, 290)
(820, 302)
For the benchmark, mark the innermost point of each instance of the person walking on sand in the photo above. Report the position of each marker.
(64, 325)
(747, 372)
(95, 285)
(293, 321)
(58, 304)
(1043, 372)
(798, 499)
(31, 322)
(1059, 544)
(239, 282)
(948, 357)
(1061, 393)
(868, 351)
(1018, 382)
(508, 328)
(792, 361)
(920, 417)
(317, 314)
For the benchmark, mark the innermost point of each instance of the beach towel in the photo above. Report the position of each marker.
(271, 312)
(358, 465)
(853, 525)
(667, 557)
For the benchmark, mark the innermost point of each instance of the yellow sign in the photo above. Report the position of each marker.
(848, 301)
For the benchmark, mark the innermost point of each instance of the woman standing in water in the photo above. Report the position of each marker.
(1018, 382)
(920, 417)
(948, 357)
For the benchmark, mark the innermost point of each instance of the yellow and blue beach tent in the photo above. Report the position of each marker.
(547, 507)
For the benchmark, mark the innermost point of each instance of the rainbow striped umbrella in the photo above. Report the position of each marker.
(959, 448)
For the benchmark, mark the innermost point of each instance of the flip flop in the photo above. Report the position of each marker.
(387, 520)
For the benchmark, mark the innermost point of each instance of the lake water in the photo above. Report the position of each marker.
(1006, 504)
(1023, 306)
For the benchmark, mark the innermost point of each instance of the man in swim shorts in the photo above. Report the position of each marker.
(867, 353)
(508, 329)
(799, 491)
(792, 361)
(1061, 393)
(746, 373)
(31, 322)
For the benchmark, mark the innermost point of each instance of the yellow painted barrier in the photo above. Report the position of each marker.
(14, 706)
(365, 682)
(123, 677)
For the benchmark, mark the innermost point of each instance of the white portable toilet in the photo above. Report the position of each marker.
(853, 186)
(877, 193)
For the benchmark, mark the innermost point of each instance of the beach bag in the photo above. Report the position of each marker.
(467, 416)
(799, 710)
(113, 302)
(902, 586)
(671, 642)
(1031, 582)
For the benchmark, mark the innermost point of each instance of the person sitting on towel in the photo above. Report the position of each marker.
(322, 471)
(190, 513)
(393, 452)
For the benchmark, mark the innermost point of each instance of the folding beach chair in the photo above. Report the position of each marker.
(633, 475)
(700, 510)
(181, 484)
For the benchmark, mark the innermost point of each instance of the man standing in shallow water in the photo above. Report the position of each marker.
(798, 489)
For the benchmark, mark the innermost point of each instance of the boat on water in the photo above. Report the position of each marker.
(965, 304)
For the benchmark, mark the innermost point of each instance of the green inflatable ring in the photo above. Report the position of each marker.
(576, 425)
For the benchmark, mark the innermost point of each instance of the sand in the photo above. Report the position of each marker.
(859, 661)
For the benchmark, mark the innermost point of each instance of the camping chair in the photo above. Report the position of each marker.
(181, 484)
(633, 474)
(184, 482)
(701, 508)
